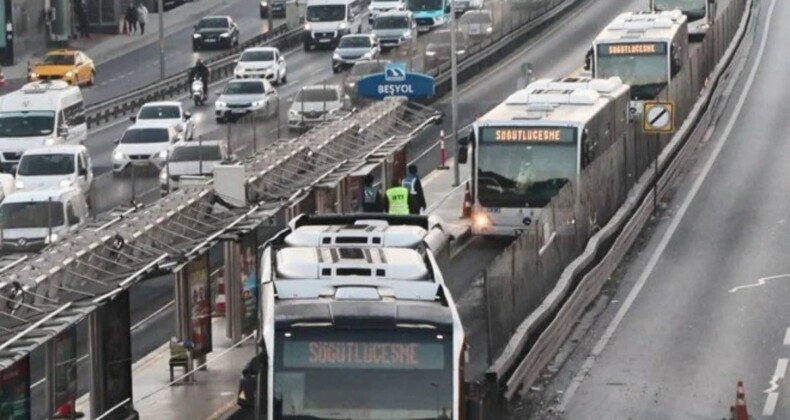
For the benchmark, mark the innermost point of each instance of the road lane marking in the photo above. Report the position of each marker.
(770, 404)
(760, 282)
(773, 396)
(674, 224)
(787, 337)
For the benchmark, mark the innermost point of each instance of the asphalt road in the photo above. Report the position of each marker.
(704, 304)
(139, 67)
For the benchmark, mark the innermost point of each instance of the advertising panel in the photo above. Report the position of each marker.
(117, 350)
(15, 391)
(199, 305)
(249, 282)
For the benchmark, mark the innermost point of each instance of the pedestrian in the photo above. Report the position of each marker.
(397, 199)
(131, 18)
(82, 19)
(371, 197)
(142, 17)
(416, 193)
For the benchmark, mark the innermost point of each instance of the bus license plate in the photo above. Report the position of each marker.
(494, 210)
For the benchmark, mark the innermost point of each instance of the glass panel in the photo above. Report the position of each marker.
(316, 95)
(694, 9)
(193, 153)
(60, 164)
(31, 214)
(157, 112)
(146, 135)
(26, 123)
(328, 13)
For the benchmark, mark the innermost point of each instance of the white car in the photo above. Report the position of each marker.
(192, 159)
(242, 96)
(143, 145)
(262, 63)
(55, 167)
(315, 104)
(167, 112)
(379, 7)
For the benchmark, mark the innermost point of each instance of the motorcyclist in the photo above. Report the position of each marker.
(200, 70)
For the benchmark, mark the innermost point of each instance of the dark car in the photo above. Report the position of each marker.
(215, 31)
(248, 382)
(438, 49)
(278, 8)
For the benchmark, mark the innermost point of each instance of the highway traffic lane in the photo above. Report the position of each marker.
(694, 330)
(140, 67)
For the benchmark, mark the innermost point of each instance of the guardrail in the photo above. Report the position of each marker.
(221, 67)
(540, 335)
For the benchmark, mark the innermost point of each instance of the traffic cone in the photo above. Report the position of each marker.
(738, 411)
(466, 210)
(442, 152)
(219, 304)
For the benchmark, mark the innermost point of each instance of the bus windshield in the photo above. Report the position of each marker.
(516, 173)
(693, 9)
(425, 5)
(644, 66)
(322, 373)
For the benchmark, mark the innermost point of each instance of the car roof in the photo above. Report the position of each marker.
(198, 143)
(150, 124)
(162, 103)
(26, 196)
(397, 13)
(321, 87)
(216, 17)
(62, 51)
(64, 148)
(261, 49)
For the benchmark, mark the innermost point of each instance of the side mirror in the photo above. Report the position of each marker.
(187, 115)
(179, 128)
(116, 141)
(236, 61)
(194, 27)
(83, 172)
(218, 93)
(133, 118)
(63, 131)
(463, 154)
(588, 60)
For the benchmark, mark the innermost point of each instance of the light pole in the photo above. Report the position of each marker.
(454, 88)
(161, 8)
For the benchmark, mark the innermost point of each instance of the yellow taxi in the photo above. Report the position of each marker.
(69, 65)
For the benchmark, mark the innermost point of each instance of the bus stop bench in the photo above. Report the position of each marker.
(179, 357)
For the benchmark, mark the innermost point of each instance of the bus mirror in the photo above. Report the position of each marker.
(588, 60)
(463, 154)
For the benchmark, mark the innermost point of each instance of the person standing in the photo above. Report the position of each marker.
(142, 17)
(131, 18)
(82, 19)
(416, 193)
(371, 197)
(397, 199)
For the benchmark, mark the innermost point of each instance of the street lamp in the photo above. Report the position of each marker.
(454, 88)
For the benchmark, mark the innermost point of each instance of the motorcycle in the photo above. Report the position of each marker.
(197, 92)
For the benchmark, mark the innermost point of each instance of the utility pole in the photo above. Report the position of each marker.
(161, 9)
(454, 87)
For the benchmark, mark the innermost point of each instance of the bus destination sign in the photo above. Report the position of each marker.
(528, 134)
(641, 48)
(363, 355)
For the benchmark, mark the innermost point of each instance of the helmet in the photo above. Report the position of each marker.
(199, 62)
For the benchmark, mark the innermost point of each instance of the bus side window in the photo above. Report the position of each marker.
(589, 148)
(677, 59)
(463, 147)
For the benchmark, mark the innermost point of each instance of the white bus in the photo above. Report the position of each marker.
(700, 14)
(529, 147)
(644, 49)
(361, 327)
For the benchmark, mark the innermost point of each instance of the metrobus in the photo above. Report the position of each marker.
(644, 49)
(528, 148)
(357, 323)
(700, 14)
(429, 14)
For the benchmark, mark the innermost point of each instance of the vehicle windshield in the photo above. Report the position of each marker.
(424, 5)
(363, 375)
(257, 56)
(368, 67)
(326, 13)
(354, 42)
(391, 22)
(33, 214)
(218, 23)
(477, 18)
(40, 165)
(316, 95)
(26, 123)
(145, 135)
(195, 154)
(59, 59)
(159, 112)
(515, 173)
(643, 66)
(243, 88)
(693, 9)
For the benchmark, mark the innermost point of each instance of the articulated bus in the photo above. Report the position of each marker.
(528, 148)
(429, 14)
(700, 14)
(644, 49)
(357, 323)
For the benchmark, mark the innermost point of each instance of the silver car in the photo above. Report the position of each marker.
(478, 24)
(194, 158)
(395, 29)
(361, 69)
(242, 96)
(313, 105)
(353, 48)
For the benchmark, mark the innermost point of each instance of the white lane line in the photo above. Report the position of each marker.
(670, 232)
(787, 337)
(291, 83)
(773, 396)
(781, 369)
(770, 404)
(760, 282)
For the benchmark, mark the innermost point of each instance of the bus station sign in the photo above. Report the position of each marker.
(396, 81)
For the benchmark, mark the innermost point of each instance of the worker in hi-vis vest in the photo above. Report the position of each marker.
(416, 193)
(397, 197)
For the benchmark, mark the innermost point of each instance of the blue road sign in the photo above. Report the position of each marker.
(395, 81)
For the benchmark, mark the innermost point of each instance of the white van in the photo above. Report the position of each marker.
(328, 20)
(42, 113)
(60, 166)
(31, 220)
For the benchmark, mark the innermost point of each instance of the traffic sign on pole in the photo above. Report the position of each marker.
(658, 117)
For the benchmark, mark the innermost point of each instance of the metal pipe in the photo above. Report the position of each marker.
(161, 39)
(454, 88)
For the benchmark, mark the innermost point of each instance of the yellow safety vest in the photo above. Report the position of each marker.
(398, 199)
